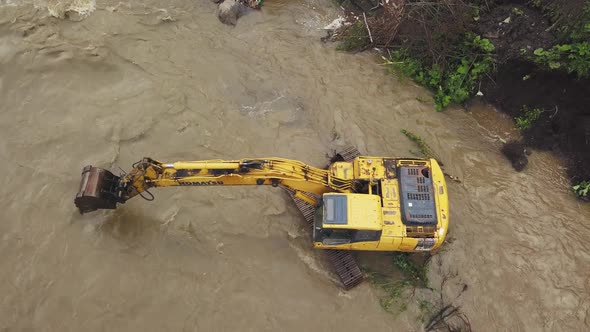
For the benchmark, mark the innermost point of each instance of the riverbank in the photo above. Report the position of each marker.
(530, 59)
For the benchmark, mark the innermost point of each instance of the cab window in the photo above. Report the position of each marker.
(335, 210)
(342, 236)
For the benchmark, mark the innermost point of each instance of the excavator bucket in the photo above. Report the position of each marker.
(98, 190)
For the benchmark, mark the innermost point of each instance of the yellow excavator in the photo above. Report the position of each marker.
(365, 203)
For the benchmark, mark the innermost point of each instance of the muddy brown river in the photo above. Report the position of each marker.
(165, 79)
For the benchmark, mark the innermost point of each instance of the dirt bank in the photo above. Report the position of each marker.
(518, 83)
(564, 124)
(432, 37)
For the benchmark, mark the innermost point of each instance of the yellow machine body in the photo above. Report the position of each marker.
(375, 221)
(370, 203)
(363, 212)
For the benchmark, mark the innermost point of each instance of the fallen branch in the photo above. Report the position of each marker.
(441, 321)
(368, 30)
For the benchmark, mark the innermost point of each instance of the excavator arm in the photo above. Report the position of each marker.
(101, 189)
(358, 203)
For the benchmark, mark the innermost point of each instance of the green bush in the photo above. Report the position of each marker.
(425, 149)
(427, 309)
(396, 292)
(393, 299)
(525, 121)
(572, 52)
(517, 11)
(582, 189)
(573, 58)
(414, 273)
(576, 30)
(455, 82)
(355, 38)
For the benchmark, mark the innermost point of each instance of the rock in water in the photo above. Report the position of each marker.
(230, 10)
(517, 153)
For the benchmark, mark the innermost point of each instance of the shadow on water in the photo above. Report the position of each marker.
(143, 233)
(128, 225)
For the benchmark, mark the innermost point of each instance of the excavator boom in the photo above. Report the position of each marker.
(101, 189)
(368, 203)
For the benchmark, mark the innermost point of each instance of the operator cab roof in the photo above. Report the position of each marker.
(352, 211)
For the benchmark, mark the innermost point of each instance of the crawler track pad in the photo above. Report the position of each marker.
(342, 261)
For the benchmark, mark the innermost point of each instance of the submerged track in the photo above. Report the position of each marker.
(343, 262)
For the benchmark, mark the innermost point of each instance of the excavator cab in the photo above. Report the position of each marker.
(401, 207)
(344, 219)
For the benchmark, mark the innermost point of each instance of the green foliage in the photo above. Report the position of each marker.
(572, 53)
(396, 291)
(426, 310)
(476, 13)
(573, 58)
(582, 189)
(425, 150)
(517, 11)
(355, 38)
(417, 274)
(577, 30)
(535, 3)
(525, 121)
(455, 82)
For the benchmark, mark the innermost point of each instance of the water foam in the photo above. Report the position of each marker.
(9, 2)
(60, 8)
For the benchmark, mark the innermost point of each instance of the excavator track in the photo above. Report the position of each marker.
(349, 153)
(342, 261)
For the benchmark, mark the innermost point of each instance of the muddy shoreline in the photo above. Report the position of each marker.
(564, 124)
(516, 28)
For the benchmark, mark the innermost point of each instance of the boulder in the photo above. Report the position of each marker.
(517, 153)
(230, 10)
